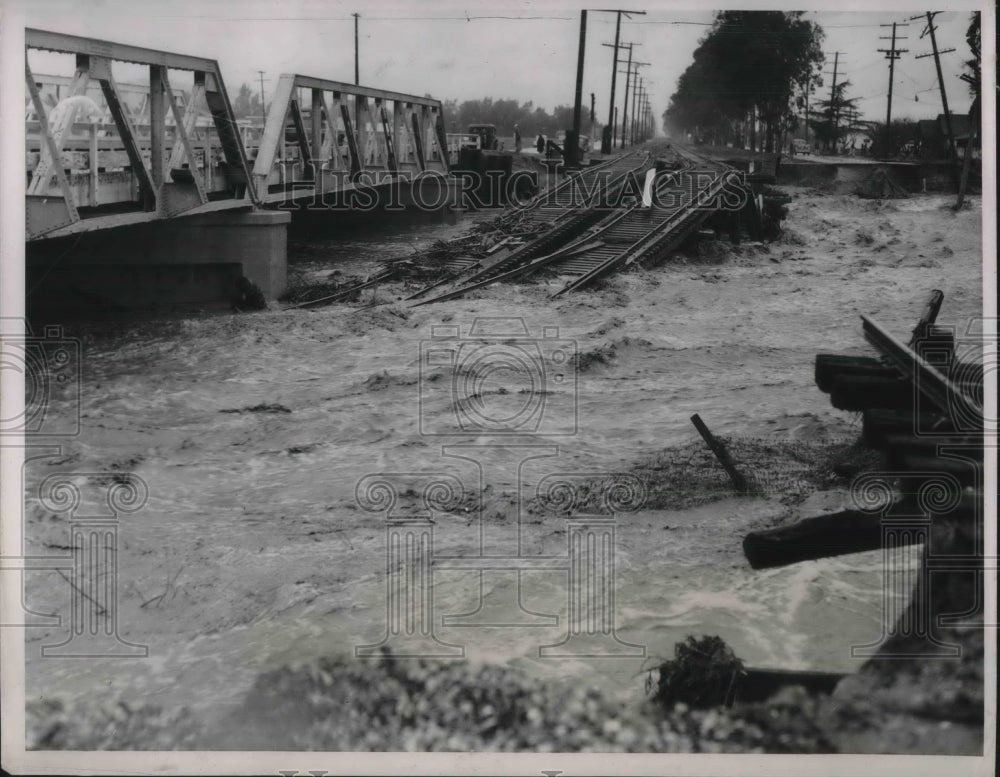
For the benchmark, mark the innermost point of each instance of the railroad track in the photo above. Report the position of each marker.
(645, 233)
(587, 226)
(595, 246)
(558, 215)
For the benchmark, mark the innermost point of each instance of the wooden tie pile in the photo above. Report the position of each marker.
(922, 410)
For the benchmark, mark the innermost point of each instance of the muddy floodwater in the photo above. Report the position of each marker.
(252, 433)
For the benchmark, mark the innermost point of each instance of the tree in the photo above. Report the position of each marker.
(746, 71)
(247, 103)
(973, 66)
(505, 113)
(836, 117)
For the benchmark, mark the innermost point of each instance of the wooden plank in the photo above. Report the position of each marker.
(877, 424)
(862, 392)
(929, 316)
(838, 534)
(739, 482)
(938, 388)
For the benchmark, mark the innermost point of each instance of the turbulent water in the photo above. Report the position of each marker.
(253, 432)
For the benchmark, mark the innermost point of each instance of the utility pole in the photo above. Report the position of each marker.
(614, 72)
(571, 150)
(805, 124)
(629, 73)
(356, 17)
(628, 76)
(892, 54)
(263, 110)
(637, 96)
(592, 119)
(834, 112)
(952, 147)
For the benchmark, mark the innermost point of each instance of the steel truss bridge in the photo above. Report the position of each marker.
(182, 152)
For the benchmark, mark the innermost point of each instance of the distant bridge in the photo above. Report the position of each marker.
(181, 153)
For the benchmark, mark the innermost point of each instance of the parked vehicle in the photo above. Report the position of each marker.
(487, 136)
(800, 146)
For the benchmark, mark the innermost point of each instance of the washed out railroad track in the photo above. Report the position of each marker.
(631, 210)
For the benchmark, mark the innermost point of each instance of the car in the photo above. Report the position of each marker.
(487, 135)
(800, 146)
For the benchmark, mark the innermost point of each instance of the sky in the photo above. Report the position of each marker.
(467, 49)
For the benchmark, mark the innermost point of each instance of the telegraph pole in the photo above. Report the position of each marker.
(356, 17)
(834, 112)
(952, 147)
(571, 150)
(263, 110)
(614, 72)
(592, 119)
(632, 64)
(628, 76)
(637, 97)
(892, 54)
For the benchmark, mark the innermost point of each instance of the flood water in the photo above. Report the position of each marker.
(253, 433)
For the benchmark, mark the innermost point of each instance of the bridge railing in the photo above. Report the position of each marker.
(92, 166)
(325, 136)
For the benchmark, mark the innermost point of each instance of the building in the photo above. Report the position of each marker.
(932, 136)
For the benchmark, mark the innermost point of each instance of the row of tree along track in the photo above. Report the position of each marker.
(632, 209)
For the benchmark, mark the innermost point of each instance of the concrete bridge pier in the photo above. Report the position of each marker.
(158, 265)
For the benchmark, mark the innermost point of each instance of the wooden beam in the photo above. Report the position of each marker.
(739, 482)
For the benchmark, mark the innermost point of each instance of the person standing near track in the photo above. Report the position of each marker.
(517, 140)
